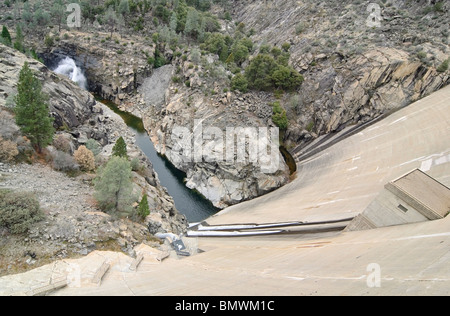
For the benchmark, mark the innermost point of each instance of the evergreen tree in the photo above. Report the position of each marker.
(113, 187)
(192, 23)
(32, 110)
(124, 7)
(111, 19)
(18, 43)
(120, 149)
(143, 210)
(58, 13)
(6, 37)
(173, 22)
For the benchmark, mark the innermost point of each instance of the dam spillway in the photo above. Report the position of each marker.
(336, 183)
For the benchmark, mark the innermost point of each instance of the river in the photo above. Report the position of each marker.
(193, 205)
(188, 202)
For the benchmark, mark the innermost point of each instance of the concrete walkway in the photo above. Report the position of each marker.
(335, 184)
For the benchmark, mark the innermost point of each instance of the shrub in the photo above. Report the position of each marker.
(444, 66)
(240, 54)
(63, 162)
(93, 146)
(49, 41)
(266, 73)
(259, 72)
(61, 143)
(18, 211)
(300, 28)
(85, 158)
(239, 82)
(279, 116)
(286, 78)
(439, 7)
(422, 55)
(8, 150)
(136, 165)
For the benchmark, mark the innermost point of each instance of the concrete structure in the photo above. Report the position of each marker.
(337, 183)
(415, 197)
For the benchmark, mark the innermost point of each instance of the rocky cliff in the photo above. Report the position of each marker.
(73, 224)
(202, 155)
(355, 69)
(360, 60)
(164, 104)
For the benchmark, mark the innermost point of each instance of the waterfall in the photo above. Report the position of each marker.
(68, 68)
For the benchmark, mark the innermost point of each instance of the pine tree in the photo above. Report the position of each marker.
(143, 210)
(111, 19)
(120, 149)
(32, 110)
(113, 187)
(18, 44)
(6, 36)
(58, 12)
(192, 23)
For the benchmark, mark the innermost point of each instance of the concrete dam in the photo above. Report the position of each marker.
(297, 241)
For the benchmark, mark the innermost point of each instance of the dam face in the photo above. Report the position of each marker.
(335, 184)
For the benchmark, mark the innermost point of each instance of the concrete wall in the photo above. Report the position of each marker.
(412, 198)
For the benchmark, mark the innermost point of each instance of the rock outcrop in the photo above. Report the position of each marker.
(359, 90)
(74, 224)
(190, 129)
(114, 68)
(354, 70)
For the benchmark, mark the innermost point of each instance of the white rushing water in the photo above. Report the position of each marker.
(68, 68)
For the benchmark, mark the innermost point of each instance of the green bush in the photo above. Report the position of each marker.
(444, 66)
(279, 116)
(286, 78)
(18, 211)
(259, 72)
(439, 7)
(265, 73)
(94, 146)
(239, 82)
(49, 41)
